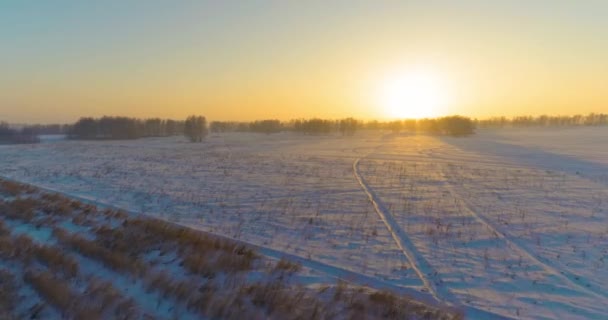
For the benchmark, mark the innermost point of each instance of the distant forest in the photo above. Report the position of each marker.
(196, 128)
(453, 125)
(592, 119)
(9, 135)
(123, 128)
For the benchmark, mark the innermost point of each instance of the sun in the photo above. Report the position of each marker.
(413, 94)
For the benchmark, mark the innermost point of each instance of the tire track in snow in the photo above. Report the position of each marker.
(417, 261)
(514, 244)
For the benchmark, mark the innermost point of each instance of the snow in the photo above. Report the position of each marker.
(51, 138)
(508, 223)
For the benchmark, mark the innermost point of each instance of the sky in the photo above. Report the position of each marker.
(246, 60)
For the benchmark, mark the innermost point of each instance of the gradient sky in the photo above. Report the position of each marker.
(244, 60)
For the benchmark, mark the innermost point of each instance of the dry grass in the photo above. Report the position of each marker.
(115, 260)
(23, 249)
(59, 208)
(8, 294)
(4, 231)
(14, 189)
(100, 300)
(57, 260)
(106, 300)
(201, 253)
(23, 209)
(179, 290)
(285, 265)
(53, 290)
(223, 291)
(116, 214)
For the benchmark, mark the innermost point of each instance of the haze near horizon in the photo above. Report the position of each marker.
(273, 59)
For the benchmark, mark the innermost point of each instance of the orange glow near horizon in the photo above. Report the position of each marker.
(243, 60)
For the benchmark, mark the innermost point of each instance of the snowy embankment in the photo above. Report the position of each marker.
(505, 223)
(61, 258)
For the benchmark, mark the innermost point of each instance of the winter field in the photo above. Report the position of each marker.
(66, 259)
(508, 223)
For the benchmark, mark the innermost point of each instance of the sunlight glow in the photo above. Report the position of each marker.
(414, 93)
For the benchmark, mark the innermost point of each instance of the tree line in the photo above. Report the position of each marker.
(195, 128)
(453, 125)
(9, 135)
(315, 126)
(269, 126)
(111, 128)
(47, 129)
(592, 119)
(124, 128)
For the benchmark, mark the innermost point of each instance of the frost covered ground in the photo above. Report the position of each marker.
(507, 223)
(65, 259)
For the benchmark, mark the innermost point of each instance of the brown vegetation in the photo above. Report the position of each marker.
(202, 253)
(8, 294)
(53, 290)
(115, 260)
(57, 260)
(20, 209)
(287, 266)
(224, 291)
(10, 188)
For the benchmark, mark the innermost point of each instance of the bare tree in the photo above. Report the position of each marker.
(348, 126)
(195, 128)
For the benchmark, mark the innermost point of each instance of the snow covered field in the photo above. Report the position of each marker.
(508, 223)
(65, 259)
